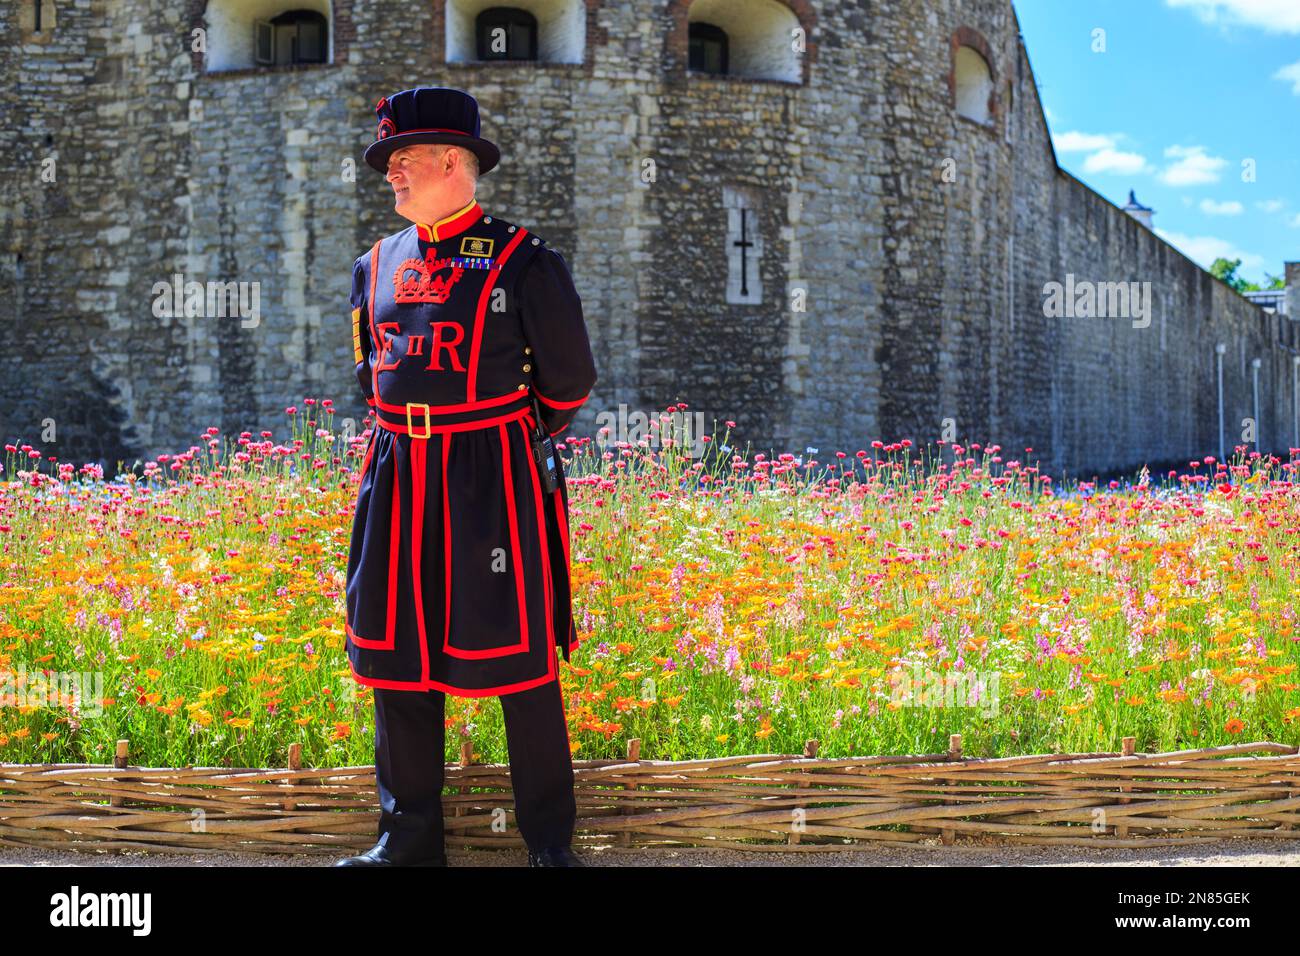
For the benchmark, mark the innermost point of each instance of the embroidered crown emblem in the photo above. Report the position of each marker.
(416, 280)
(474, 246)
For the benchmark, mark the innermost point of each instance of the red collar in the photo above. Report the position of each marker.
(456, 223)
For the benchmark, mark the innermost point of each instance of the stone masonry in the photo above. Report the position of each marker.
(921, 239)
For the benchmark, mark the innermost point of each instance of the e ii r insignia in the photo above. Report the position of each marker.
(471, 246)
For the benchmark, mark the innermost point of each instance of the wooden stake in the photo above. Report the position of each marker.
(633, 756)
(810, 753)
(119, 762)
(1128, 747)
(947, 836)
(295, 763)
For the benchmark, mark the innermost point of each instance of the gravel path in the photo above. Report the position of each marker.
(1228, 853)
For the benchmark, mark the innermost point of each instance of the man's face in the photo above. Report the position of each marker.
(418, 180)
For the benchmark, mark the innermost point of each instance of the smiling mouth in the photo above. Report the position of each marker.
(403, 189)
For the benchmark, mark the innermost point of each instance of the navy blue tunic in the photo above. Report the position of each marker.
(458, 570)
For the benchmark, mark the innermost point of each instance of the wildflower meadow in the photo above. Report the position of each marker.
(876, 601)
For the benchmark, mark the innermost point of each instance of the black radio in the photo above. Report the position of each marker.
(544, 455)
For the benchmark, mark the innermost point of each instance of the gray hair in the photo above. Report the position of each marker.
(468, 158)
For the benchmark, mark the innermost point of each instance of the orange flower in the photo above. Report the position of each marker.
(1234, 726)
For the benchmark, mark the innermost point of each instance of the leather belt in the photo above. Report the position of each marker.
(420, 420)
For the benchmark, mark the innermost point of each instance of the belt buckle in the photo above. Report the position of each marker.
(410, 426)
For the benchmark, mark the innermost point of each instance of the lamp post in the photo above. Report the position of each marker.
(1254, 384)
(1218, 360)
(1295, 398)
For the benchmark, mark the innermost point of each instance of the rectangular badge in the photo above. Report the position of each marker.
(472, 246)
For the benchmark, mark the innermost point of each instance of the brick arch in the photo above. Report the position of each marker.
(677, 42)
(343, 31)
(969, 36)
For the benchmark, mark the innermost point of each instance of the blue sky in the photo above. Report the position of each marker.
(1184, 91)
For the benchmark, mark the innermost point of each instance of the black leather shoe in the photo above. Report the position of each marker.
(378, 855)
(554, 856)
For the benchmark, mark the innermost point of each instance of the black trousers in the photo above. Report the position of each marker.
(409, 744)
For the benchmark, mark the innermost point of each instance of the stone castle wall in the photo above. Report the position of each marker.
(924, 291)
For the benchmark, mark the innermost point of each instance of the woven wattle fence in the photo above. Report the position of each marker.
(757, 802)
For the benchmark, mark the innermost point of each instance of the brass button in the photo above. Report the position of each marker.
(522, 386)
(528, 350)
(528, 368)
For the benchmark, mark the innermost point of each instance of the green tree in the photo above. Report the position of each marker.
(1226, 269)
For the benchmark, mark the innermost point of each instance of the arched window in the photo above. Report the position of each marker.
(755, 39)
(506, 33)
(246, 34)
(973, 84)
(526, 31)
(708, 48)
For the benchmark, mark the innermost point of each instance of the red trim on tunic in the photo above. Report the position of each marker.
(368, 643)
(554, 404)
(453, 225)
(507, 486)
(446, 544)
(546, 554)
(481, 312)
(457, 691)
(389, 641)
(395, 540)
(418, 450)
(458, 407)
(370, 302)
(461, 427)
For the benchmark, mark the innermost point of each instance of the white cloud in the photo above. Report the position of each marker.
(1294, 221)
(1076, 142)
(1270, 205)
(1292, 75)
(1192, 167)
(1203, 250)
(1274, 16)
(1229, 208)
(1114, 161)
